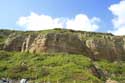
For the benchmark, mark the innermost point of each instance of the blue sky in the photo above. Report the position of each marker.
(97, 15)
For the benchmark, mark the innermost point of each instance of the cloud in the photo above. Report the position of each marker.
(82, 22)
(43, 22)
(118, 10)
(119, 31)
(39, 22)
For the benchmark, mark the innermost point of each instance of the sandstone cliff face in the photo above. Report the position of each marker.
(57, 42)
(95, 45)
(106, 48)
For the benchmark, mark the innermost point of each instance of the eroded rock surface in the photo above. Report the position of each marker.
(95, 45)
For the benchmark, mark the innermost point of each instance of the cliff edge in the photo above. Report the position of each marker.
(94, 45)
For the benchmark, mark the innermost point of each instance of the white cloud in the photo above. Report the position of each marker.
(82, 22)
(39, 22)
(42, 22)
(119, 31)
(118, 10)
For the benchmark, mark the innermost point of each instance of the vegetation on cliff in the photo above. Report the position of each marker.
(62, 55)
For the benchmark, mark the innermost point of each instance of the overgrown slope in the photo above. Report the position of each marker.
(61, 55)
(52, 67)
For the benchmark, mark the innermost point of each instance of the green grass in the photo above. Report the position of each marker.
(62, 67)
(115, 70)
(53, 67)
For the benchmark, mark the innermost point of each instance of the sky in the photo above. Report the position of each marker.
(85, 15)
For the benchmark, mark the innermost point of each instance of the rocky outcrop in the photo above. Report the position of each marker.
(14, 42)
(97, 72)
(57, 42)
(18, 42)
(106, 48)
(111, 81)
(95, 45)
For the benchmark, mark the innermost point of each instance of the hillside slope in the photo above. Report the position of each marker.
(95, 45)
(62, 56)
(65, 68)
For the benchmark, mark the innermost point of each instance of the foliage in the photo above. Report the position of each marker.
(115, 70)
(53, 67)
(45, 66)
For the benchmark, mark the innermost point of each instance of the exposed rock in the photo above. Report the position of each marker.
(27, 43)
(97, 72)
(57, 42)
(14, 42)
(111, 81)
(19, 42)
(95, 45)
(104, 48)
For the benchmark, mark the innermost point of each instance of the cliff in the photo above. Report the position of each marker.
(94, 45)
